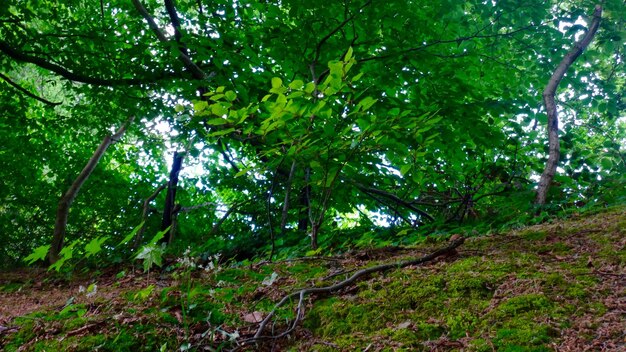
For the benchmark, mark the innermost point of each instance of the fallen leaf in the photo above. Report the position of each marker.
(254, 317)
(404, 325)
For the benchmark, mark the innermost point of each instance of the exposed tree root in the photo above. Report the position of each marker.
(301, 294)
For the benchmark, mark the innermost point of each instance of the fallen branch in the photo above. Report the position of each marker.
(301, 294)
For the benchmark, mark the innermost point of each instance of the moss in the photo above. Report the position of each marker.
(533, 338)
(538, 303)
(461, 323)
(337, 318)
(535, 235)
(577, 291)
(404, 337)
(554, 248)
(306, 269)
(410, 295)
(597, 308)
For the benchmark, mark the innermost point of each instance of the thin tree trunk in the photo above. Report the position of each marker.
(305, 204)
(144, 215)
(219, 223)
(268, 204)
(63, 208)
(170, 198)
(283, 220)
(551, 111)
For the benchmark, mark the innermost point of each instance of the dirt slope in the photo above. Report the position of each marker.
(551, 287)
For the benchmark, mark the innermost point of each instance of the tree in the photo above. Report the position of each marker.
(297, 116)
(550, 106)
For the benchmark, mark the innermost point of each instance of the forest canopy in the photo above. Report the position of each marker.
(279, 128)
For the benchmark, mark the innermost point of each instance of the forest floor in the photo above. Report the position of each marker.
(558, 286)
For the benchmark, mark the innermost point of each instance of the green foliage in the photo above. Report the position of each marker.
(152, 254)
(132, 234)
(423, 130)
(40, 253)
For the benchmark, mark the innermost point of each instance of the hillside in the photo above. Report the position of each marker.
(556, 286)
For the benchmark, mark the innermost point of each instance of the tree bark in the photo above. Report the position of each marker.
(283, 219)
(170, 198)
(551, 111)
(305, 204)
(144, 215)
(63, 208)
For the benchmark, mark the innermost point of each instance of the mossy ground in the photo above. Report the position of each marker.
(556, 286)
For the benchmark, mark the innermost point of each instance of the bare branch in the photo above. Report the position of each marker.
(394, 198)
(144, 214)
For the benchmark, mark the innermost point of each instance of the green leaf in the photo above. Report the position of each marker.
(309, 87)
(151, 255)
(348, 55)
(199, 106)
(217, 121)
(221, 133)
(277, 82)
(296, 85)
(366, 103)
(94, 246)
(403, 232)
(159, 235)
(40, 253)
(131, 234)
(242, 172)
(230, 95)
(144, 293)
(357, 77)
(219, 109)
(607, 163)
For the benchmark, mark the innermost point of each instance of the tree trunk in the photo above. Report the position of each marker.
(551, 111)
(63, 209)
(285, 214)
(315, 227)
(144, 215)
(170, 198)
(305, 203)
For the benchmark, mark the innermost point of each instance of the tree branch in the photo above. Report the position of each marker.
(195, 71)
(394, 198)
(72, 76)
(25, 91)
(144, 214)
